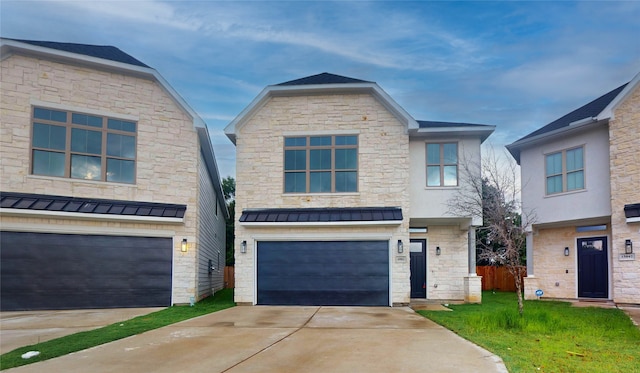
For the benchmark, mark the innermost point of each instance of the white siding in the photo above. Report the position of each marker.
(211, 235)
(591, 202)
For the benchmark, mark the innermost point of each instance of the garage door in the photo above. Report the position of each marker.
(62, 271)
(336, 273)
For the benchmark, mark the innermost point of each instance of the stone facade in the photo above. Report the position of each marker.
(383, 173)
(556, 273)
(166, 169)
(624, 139)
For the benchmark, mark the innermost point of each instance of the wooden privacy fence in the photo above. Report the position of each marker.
(498, 278)
(229, 277)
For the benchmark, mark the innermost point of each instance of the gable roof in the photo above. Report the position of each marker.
(106, 52)
(113, 59)
(323, 78)
(600, 109)
(324, 83)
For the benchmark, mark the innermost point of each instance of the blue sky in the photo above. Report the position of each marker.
(517, 65)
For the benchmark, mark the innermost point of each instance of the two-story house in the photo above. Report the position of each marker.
(342, 196)
(581, 178)
(110, 193)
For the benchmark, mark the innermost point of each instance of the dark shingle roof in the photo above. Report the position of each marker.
(324, 78)
(632, 211)
(433, 124)
(315, 215)
(99, 51)
(592, 109)
(45, 202)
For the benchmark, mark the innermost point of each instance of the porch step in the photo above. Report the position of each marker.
(418, 304)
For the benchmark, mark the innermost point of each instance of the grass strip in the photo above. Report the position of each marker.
(83, 340)
(551, 336)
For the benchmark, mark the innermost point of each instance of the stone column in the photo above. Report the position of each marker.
(531, 281)
(473, 282)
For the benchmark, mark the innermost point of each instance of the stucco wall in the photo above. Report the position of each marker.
(624, 130)
(166, 149)
(431, 202)
(590, 202)
(383, 169)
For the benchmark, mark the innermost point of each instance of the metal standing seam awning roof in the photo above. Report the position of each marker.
(361, 215)
(632, 212)
(11, 201)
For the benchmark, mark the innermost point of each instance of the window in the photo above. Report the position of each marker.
(442, 164)
(565, 171)
(82, 146)
(321, 164)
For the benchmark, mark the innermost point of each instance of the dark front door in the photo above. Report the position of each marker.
(593, 268)
(323, 273)
(417, 252)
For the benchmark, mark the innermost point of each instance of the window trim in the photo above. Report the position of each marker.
(564, 174)
(332, 170)
(442, 164)
(68, 125)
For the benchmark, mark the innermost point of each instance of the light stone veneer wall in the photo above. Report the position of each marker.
(446, 272)
(383, 172)
(624, 137)
(166, 154)
(551, 265)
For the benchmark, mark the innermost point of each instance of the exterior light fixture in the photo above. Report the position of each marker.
(243, 247)
(628, 247)
(566, 251)
(438, 251)
(400, 247)
(183, 245)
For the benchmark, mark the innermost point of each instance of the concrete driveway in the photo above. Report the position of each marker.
(23, 328)
(287, 339)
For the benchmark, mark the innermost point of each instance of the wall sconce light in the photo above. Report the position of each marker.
(566, 251)
(400, 247)
(243, 247)
(628, 247)
(183, 245)
(438, 251)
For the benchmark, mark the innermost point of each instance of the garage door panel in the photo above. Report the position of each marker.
(323, 273)
(57, 271)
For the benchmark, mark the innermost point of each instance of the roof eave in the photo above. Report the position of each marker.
(608, 111)
(8, 47)
(585, 123)
(483, 132)
(317, 89)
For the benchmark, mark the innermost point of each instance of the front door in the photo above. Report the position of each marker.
(418, 258)
(593, 268)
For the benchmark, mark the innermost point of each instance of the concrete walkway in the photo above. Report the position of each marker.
(23, 328)
(287, 339)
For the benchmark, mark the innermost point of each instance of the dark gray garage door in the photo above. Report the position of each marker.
(63, 271)
(336, 273)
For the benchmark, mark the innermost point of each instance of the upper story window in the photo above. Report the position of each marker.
(83, 146)
(442, 164)
(565, 170)
(321, 164)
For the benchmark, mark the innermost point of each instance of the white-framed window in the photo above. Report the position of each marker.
(321, 164)
(564, 170)
(82, 146)
(442, 164)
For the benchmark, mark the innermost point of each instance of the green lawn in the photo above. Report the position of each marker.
(549, 337)
(80, 341)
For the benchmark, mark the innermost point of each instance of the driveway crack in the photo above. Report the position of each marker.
(275, 342)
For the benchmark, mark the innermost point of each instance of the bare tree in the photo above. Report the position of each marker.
(495, 197)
